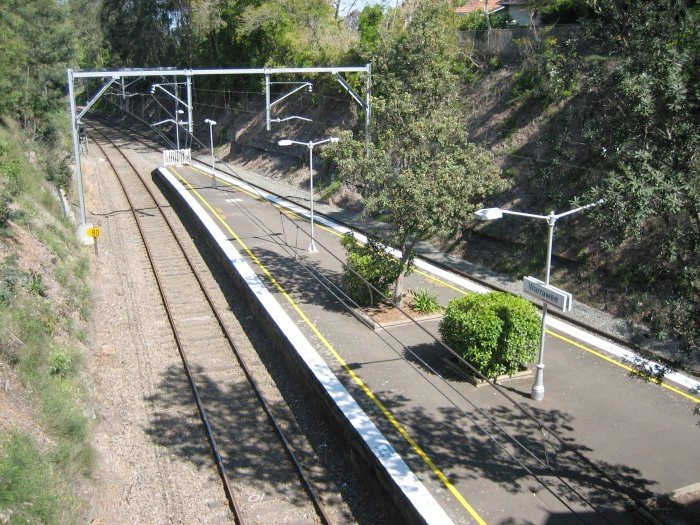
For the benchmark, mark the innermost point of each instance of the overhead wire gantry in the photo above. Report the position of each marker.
(110, 77)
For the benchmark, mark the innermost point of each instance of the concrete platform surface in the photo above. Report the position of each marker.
(611, 437)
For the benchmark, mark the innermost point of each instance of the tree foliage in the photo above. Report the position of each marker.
(297, 32)
(369, 24)
(369, 270)
(89, 37)
(145, 33)
(36, 47)
(420, 174)
(650, 142)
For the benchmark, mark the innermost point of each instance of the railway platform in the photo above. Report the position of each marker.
(601, 440)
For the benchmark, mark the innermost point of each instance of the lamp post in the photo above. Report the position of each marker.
(211, 123)
(310, 145)
(488, 214)
(177, 127)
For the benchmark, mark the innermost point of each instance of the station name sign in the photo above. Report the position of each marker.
(549, 294)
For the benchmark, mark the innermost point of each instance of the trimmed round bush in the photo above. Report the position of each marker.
(497, 333)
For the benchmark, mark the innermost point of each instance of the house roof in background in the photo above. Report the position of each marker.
(478, 5)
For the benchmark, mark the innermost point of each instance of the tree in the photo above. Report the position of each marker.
(145, 33)
(36, 46)
(649, 141)
(85, 19)
(421, 175)
(369, 23)
(297, 32)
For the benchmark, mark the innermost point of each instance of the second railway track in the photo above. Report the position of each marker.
(263, 477)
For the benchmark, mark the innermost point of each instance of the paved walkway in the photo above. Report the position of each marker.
(482, 457)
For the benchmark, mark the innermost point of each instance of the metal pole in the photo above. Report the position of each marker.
(123, 101)
(177, 126)
(537, 393)
(267, 101)
(312, 246)
(190, 126)
(368, 106)
(76, 148)
(211, 141)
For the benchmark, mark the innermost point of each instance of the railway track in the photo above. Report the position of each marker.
(262, 476)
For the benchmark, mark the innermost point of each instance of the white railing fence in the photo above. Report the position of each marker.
(177, 157)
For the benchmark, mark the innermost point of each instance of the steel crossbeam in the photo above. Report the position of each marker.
(112, 76)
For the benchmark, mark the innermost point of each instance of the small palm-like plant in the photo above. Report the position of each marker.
(424, 302)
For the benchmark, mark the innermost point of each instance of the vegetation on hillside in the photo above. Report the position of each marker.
(647, 139)
(44, 296)
(44, 300)
(618, 102)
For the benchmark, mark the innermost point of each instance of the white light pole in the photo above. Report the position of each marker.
(488, 214)
(310, 145)
(177, 126)
(211, 123)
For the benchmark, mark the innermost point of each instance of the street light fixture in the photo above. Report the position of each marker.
(211, 123)
(292, 117)
(310, 145)
(488, 214)
(177, 123)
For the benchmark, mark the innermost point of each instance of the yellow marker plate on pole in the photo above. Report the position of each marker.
(93, 232)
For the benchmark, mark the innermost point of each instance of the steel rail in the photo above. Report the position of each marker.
(304, 479)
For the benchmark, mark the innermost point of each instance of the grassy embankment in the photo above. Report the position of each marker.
(44, 302)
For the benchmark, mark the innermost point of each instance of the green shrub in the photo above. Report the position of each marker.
(498, 333)
(35, 284)
(367, 263)
(11, 172)
(331, 189)
(425, 302)
(549, 72)
(60, 363)
(476, 20)
(59, 173)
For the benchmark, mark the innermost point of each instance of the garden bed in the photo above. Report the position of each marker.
(387, 315)
(457, 366)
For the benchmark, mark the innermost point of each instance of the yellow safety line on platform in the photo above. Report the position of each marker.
(384, 410)
(630, 369)
(282, 209)
(445, 284)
